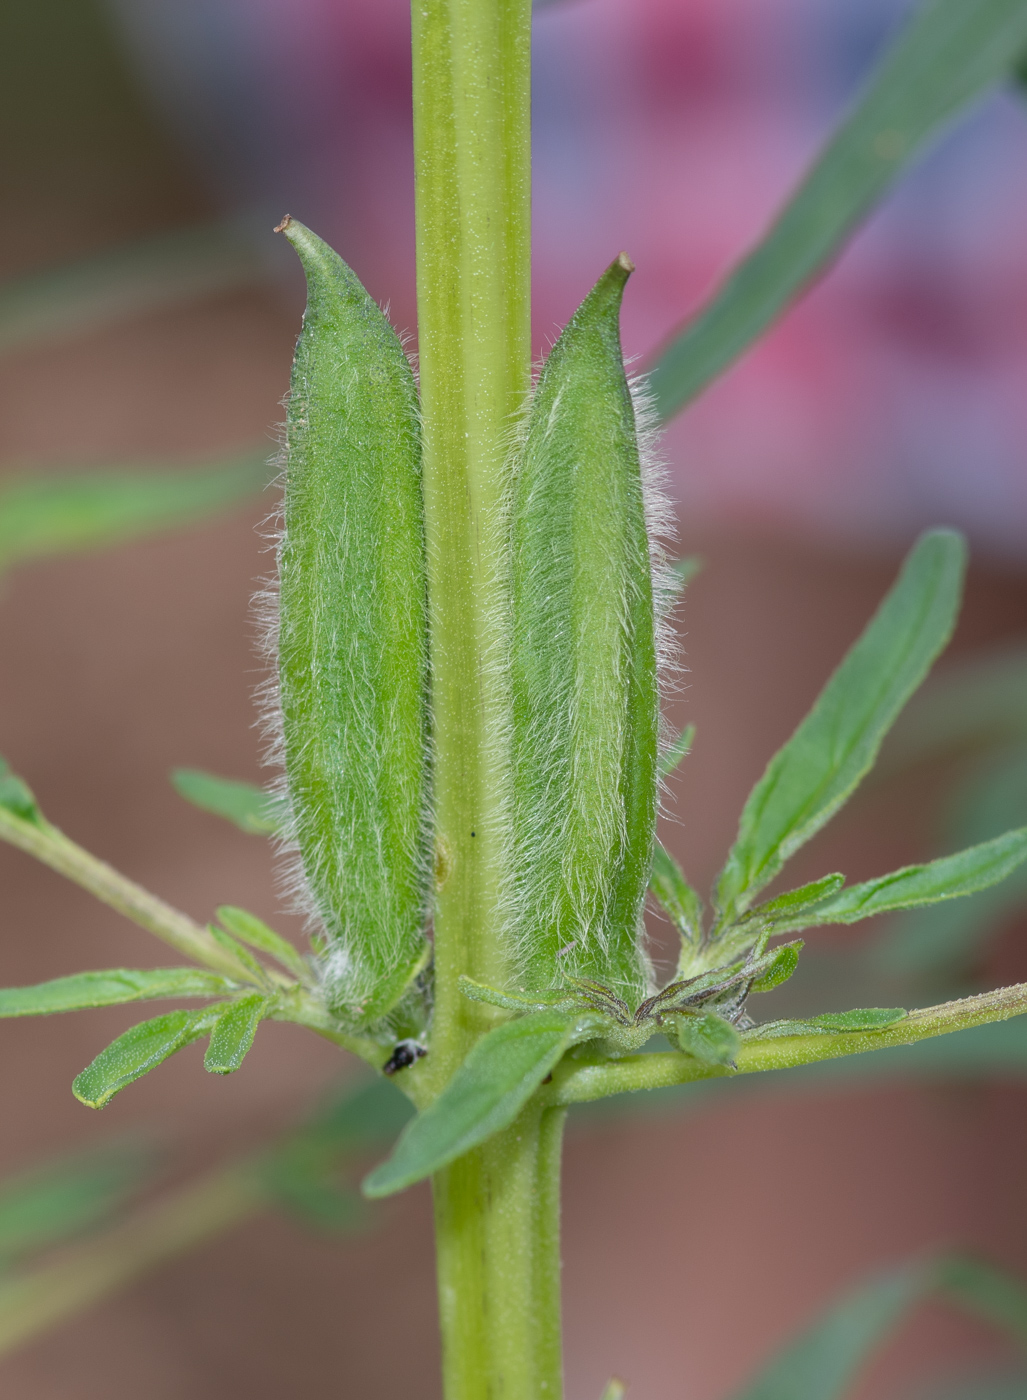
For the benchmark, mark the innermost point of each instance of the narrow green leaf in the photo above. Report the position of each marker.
(512, 1001)
(949, 53)
(834, 747)
(233, 1033)
(257, 970)
(944, 942)
(85, 989)
(485, 1095)
(582, 665)
(991, 1293)
(250, 808)
(676, 896)
(256, 933)
(824, 1360)
(976, 702)
(138, 277)
(785, 907)
(873, 1018)
(43, 515)
(16, 797)
(676, 751)
(54, 1201)
(139, 1050)
(353, 638)
(708, 1038)
(785, 962)
(949, 877)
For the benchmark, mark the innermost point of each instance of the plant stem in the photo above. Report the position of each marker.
(497, 1220)
(49, 845)
(472, 170)
(578, 1082)
(496, 1210)
(90, 1271)
(56, 850)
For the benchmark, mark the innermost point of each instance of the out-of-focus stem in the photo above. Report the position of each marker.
(90, 1271)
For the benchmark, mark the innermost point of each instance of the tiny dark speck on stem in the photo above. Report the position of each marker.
(472, 833)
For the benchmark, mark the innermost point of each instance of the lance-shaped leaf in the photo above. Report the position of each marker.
(869, 1018)
(950, 52)
(484, 1096)
(86, 989)
(233, 1033)
(256, 933)
(582, 664)
(151, 272)
(976, 702)
(352, 639)
(945, 941)
(822, 1362)
(835, 746)
(139, 1050)
(247, 806)
(43, 515)
(667, 882)
(949, 877)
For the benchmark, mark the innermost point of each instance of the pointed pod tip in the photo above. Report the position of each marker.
(623, 262)
(280, 228)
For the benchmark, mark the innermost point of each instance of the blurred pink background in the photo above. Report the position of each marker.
(891, 398)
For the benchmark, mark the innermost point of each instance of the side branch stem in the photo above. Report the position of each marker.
(577, 1082)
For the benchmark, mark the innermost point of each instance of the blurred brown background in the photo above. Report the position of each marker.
(697, 1237)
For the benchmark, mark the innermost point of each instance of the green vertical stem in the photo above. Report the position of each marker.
(473, 174)
(497, 1218)
(473, 170)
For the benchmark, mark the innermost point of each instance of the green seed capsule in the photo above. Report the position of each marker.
(352, 647)
(585, 707)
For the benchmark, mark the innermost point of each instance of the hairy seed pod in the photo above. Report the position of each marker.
(352, 644)
(585, 708)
